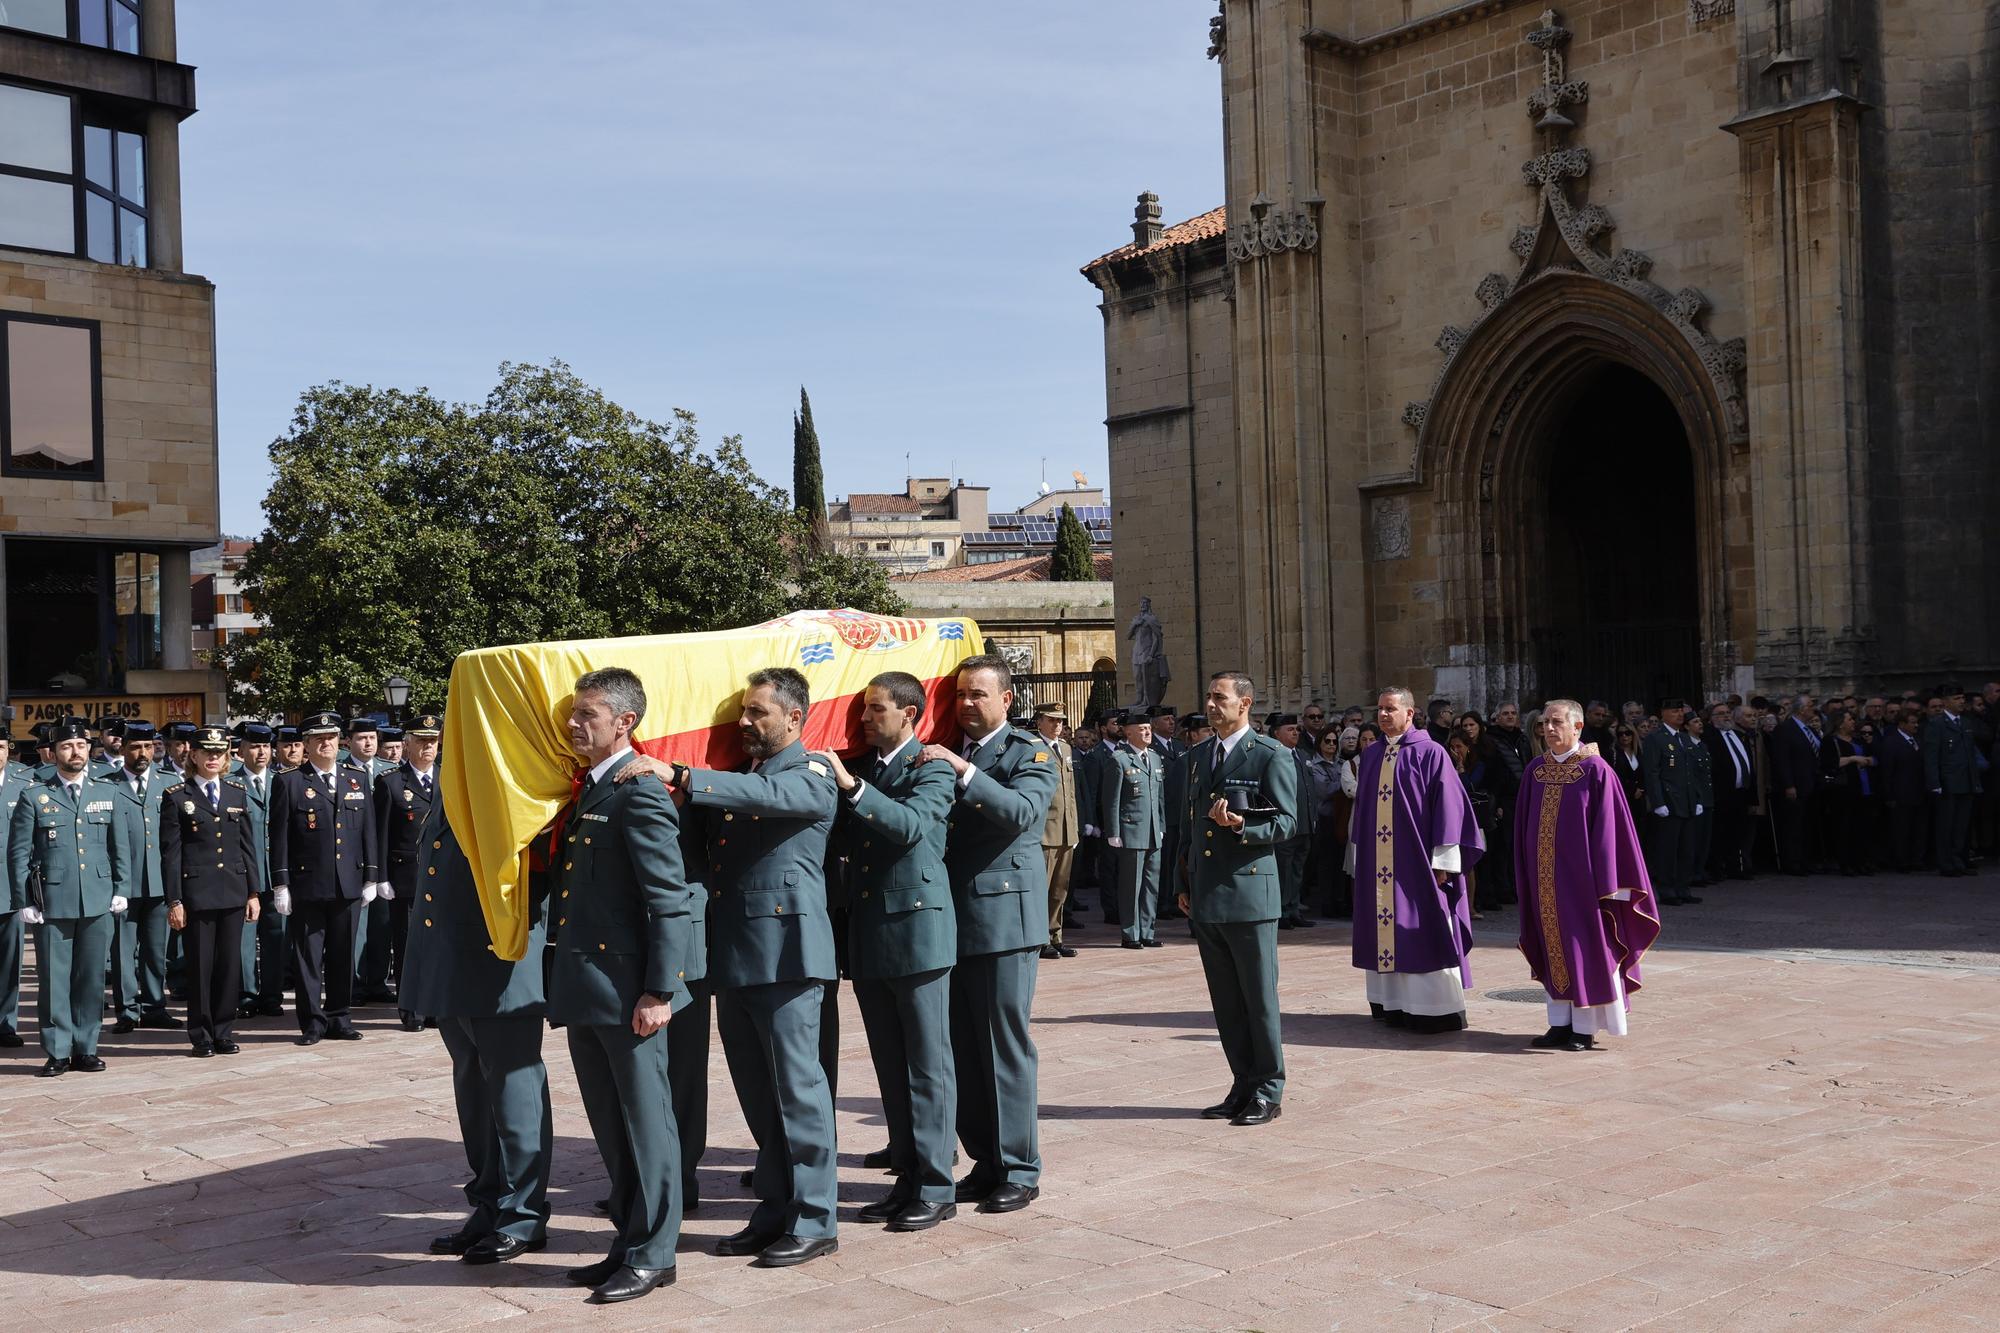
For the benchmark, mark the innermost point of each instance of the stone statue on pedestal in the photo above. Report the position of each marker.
(1149, 655)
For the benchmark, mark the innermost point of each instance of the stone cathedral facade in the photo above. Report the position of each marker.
(1629, 348)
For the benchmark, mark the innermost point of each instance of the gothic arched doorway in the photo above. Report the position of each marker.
(1614, 607)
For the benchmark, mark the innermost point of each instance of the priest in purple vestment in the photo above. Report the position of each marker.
(1413, 839)
(1587, 908)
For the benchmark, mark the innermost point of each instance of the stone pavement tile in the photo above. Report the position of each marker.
(1604, 1305)
(1859, 1284)
(1731, 1202)
(1184, 1224)
(1113, 1285)
(847, 1305)
(1165, 1312)
(988, 1315)
(1749, 1310)
(1000, 1271)
(1967, 1302)
(1956, 1239)
(1520, 1272)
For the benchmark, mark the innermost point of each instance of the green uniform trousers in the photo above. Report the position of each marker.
(139, 959)
(623, 1081)
(1138, 890)
(11, 943)
(502, 1091)
(265, 956)
(908, 1020)
(1240, 960)
(687, 1077)
(70, 954)
(770, 1035)
(991, 995)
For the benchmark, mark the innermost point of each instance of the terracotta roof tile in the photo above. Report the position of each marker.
(1021, 569)
(867, 502)
(1209, 224)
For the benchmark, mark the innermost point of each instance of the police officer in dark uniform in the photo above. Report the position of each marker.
(291, 750)
(404, 796)
(323, 872)
(208, 854)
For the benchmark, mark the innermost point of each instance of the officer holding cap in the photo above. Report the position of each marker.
(210, 861)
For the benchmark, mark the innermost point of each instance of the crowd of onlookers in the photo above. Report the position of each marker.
(1798, 785)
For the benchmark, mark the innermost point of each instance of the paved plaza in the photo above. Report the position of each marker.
(1803, 1131)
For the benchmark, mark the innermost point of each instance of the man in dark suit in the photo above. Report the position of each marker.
(1951, 775)
(1667, 764)
(902, 942)
(771, 956)
(1733, 769)
(208, 857)
(618, 973)
(404, 795)
(323, 872)
(1900, 756)
(1242, 797)
(993, 851)
(1795, 783)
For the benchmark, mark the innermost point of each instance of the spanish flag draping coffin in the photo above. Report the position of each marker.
(507, 767)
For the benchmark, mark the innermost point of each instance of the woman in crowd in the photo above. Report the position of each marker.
(1846, 766)
(1625, 763)
(1483, 808)
(1324, 871)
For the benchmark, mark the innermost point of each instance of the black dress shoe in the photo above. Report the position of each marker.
(1257, 1111)
(1285, 923)
(271, 1009)
(1300, 923)
(745, 1179)
(1010, 1198)
(89, 1064)
(591, 1275)
(227, 1048)
(922, 1216)
(202, 1052)
(125, 1025)
(972, 1189)
(457, 1242)
(499, 1247)
(1064, 951)
(1581, 1041)
(747, 1241)
(790, 1251)
(410, 1023)
(887, 1207)
(10, 1038)
(1130, 944)
(161, 1022)
(1689, 898)
(1151, 944)
(307, 1039)
(602, 1206)
(344, 1034)
(1433, 1024)
(1226, 1109)
(1049, 951)
(629, 1284)
(55, 1067)
(1555, 1039)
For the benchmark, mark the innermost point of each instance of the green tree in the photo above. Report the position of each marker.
(808, 480)
(404, 530)
(1103, 696)
(1071, 562)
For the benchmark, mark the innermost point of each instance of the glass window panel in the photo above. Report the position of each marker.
(91, 29)
(100, 240)
(97, 155)
(51, 421)
(40, 215)
(132, 168)
(131, 238)
(34, 129)
(49, 16)
(124, 28)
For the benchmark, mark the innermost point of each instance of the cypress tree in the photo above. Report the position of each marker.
(1071, 562)
(808, 481)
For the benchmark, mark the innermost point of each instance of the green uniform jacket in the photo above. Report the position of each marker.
(693, 850)
(79, 850)
(766, 844)
(260, 817)
(1704, 777)
(1668, 768)
(1229, 874)
(900, 920)
(1949, 766)
(451, 970)
(999, 877)
(15, 781)
(1131, 807)
(144, 878)
(621, 905)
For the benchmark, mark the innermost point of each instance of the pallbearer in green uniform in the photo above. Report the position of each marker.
(68, 842)
(770, 957)
(14, 784)
(490, 1013)
(140, 949)
(621, 943)
(1242, 802)
(209, 859)
(999, 884)
(1667, 765)
(1132, 813)
(265, 946)
(688, 1035)
(902, 940)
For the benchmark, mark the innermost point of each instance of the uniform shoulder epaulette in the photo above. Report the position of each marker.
(235, 782)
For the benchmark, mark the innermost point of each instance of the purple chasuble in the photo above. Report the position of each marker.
(1574, 847)
(1404, 920)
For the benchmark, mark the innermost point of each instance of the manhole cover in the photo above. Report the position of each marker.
(1525, 995)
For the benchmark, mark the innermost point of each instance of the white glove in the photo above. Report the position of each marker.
(32, 915)
(118, 904)
(281, 901)
(1661, 812)
(1115, 841)
(367, 894)
(387, 893)
(1090, 830)
(1697, 812)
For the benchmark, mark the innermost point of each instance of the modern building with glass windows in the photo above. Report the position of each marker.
(108, 475)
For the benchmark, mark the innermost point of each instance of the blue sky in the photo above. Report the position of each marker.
(699, 206)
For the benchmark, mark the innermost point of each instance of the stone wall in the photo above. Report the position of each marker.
(158, 348)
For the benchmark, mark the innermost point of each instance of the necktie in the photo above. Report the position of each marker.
(1736, 756)
(214, 796)
(257, 785)
(72, 788)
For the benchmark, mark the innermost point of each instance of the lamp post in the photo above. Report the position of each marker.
(397, 691)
